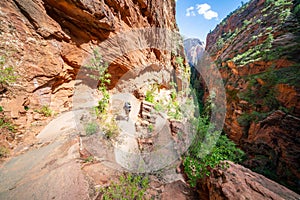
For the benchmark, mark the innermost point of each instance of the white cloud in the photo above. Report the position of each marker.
(190, 12)
(210, 14)
(205, 10)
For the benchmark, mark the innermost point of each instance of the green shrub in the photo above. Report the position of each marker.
(26, 108)
(149, 96)
(103, 103)
(44, 110)
(111, 129)
(128, 187)
(158, 106)
(174, 110)
(246, 118)
(89, 159)
(99, 67)
(6, 124)
(179, 61)
(197, 167)
(262, 95)
(91, 128)
(150, 128)
(7, 73)
(1, 109)
(220, 43)
(4, 152)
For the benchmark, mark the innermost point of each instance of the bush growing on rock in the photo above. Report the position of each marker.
(7, 75)
(99, 67)
(196, 166)
(128, 187)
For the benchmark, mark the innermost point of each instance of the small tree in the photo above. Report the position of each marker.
(98, 65)
(7, 75)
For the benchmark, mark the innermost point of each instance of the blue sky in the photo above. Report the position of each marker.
(196, 18)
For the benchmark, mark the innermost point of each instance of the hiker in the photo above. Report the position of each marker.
(127, 108)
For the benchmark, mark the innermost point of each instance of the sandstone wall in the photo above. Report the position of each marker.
(256, 49)
(48, 41)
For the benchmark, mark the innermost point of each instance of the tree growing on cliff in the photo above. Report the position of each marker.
(7, 75)
(98, 69)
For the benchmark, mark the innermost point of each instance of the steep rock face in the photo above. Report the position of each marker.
(238, 182)
(193, 49)
(48, 41)
(256, 49)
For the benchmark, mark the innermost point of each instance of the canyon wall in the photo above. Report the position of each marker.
(48, 41)
(256, 49)
(193, 49)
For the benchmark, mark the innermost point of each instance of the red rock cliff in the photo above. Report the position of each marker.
(48, 41)
(256, 49)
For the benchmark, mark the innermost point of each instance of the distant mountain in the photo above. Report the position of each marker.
(193, 49)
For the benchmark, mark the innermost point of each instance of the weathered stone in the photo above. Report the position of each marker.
(48, 42)
(176, 127)
(272, 138)
(238, 182)
(179, 191)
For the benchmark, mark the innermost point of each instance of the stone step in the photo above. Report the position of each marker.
(146, 103)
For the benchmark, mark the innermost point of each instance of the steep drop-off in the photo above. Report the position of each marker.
(256, 49)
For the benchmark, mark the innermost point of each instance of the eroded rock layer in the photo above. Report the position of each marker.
(48, 41)
(238, 182)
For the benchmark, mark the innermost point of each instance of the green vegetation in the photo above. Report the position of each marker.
(149, 96)
(289, 75)
(111, 129)
(173, 107)
(6, 129)
(98, 67)
(103, 103)
(185, 69)
(296, 10)
(246, 22)
(196, 165)
(7, 74)
(197, 88)
(246, 118)
(261, 94)
(232, 95)
(256, 53)
(261, 91)
(4, 152)
(150, 128)
(91, 128)
(220, 43)
(237, 11)
(179, 61)
(128, 187)
(89, 159)
(98, 71)
(174, 110)
(169, 105)
(278, 2)
(44, 110)
(7, 125)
